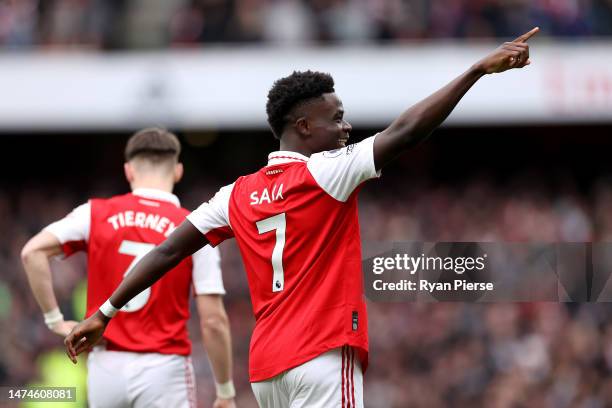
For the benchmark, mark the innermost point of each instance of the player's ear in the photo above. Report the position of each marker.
(178, 172)
(302, 126)
(129, 172)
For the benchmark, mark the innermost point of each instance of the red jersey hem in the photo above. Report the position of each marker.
(269, 372)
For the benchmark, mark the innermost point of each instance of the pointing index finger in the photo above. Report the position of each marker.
(523, 38)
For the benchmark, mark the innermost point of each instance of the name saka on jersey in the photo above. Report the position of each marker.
(265, 197)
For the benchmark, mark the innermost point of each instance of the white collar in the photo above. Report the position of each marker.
(156, 194)
(282, 156)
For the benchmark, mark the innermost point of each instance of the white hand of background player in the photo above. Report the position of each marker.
(224, 403)
(63, 328)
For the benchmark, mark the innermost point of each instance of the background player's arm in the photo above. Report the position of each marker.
(183, 242)
(35, 256)
(216, 336)
(415, 124)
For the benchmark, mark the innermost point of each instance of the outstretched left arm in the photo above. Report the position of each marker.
(415, 124)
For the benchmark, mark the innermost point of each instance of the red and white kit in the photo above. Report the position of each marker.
(116, 233)
(296, 224)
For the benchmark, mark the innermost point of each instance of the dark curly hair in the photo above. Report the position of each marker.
(291, 91)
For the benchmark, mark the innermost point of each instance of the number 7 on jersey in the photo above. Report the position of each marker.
(279, 224)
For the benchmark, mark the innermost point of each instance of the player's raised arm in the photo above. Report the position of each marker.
(183, 242)
(415, 124)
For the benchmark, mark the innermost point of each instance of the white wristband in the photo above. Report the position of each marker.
(225, 390)
(108, 309)
(53, 317)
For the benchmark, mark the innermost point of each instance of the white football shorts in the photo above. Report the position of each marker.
(333, 379)
(119, 379)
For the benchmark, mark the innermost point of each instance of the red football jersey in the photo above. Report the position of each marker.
(117, 233)
(296, 224)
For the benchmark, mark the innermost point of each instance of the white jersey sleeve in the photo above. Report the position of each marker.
(340, 171)
(207, 279)
(212, 218)
(74, 227)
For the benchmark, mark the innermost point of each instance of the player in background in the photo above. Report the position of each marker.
(295, 222)
(144, 360)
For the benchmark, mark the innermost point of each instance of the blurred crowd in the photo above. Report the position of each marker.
(137, 24)
(498, 354)
(422, 354)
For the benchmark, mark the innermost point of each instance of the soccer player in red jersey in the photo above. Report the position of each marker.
(295, 222)
(144, 359)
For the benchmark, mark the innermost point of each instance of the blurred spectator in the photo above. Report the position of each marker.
(18, 22)
(133, 24)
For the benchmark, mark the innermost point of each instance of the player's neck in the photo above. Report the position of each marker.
(152, 183)
(294, 145)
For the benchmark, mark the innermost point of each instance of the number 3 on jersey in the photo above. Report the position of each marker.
(138, 250)
(279, 224)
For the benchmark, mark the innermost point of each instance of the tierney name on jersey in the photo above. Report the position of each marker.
(141, 219)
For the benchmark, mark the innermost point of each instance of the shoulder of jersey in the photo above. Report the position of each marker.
(332, 154)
